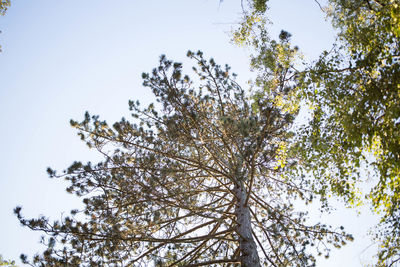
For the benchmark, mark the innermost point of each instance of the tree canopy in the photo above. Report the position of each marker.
(196, 179)
(353, 92)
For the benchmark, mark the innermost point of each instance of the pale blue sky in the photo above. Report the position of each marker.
(61, 58)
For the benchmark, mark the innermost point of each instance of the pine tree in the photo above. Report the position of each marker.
(195, 180)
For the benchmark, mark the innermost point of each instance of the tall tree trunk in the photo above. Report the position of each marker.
(248, 248)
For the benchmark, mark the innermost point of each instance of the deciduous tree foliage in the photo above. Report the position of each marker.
(4, 4)
(359, 103)
(194, 180)
(4, 262)
(354, 92)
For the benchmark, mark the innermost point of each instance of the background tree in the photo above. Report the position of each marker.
(354, 93)
(195, 181)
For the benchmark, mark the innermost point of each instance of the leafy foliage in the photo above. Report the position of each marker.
(354, 95)
(4, 5)
(357, 88)
(4, 262)
(195, 180)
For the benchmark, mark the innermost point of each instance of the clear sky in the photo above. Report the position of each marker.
(61, 58)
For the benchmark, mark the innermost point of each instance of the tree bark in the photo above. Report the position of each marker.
(247, 246)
